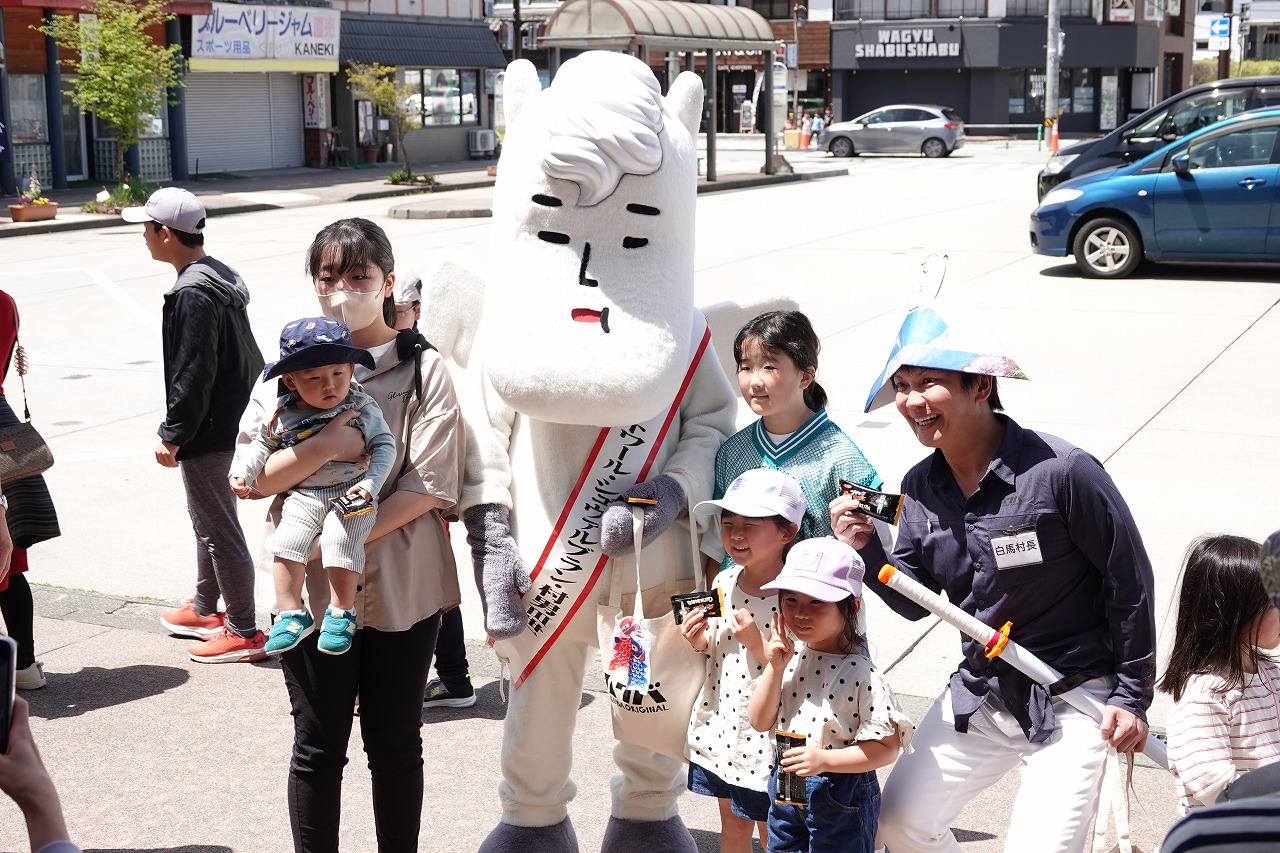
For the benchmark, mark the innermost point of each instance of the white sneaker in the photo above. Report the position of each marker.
(31, 678)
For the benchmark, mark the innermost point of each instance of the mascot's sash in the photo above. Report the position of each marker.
(572, 562)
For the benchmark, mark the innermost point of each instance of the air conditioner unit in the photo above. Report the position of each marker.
(481, 143)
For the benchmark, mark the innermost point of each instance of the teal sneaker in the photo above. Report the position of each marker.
(338, 628)
(290, 628)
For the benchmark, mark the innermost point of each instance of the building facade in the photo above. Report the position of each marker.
(986, 59)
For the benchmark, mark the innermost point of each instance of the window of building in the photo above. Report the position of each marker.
(1081, 91)
(1040, 8)
(848, 10)
(28, 118)
(153, 126)
(772, 10)
(1026, 92)
(444, 96)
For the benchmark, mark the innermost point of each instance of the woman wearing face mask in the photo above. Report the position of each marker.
(409, 573)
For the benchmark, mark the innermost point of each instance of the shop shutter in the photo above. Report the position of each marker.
(245, 121)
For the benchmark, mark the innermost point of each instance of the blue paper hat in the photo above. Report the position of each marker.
(928, 340)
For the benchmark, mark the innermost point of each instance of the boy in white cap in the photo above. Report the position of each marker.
(211, 363)
(1012, 525)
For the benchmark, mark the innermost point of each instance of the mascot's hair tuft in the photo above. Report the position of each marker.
(603, 125)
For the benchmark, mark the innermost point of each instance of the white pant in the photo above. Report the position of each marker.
(1056, 801)
(537, 742)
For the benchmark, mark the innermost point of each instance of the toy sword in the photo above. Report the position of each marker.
(999, 645)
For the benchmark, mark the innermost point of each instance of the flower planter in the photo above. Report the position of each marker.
(33, 212)
(370, 155)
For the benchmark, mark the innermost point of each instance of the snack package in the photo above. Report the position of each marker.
(882, 505)
(710, 600)
(791, 787)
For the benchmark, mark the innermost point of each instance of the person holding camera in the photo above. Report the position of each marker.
(24, 779)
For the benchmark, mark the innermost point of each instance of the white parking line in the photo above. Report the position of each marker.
(140, 313)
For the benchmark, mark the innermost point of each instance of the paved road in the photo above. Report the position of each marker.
(156, 753)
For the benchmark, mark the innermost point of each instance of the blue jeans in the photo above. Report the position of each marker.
(843, 812)
(746, 803)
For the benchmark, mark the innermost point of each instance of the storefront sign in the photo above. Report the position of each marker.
(315, 100)
(1108, 111)
(1121, 11)
(287, 37)
(906, 42)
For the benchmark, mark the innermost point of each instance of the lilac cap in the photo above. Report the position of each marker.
(760, 493)
(824, 568)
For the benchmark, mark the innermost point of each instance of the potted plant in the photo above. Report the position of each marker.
(31, 206)
(369, 149)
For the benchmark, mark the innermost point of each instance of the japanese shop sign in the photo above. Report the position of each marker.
(288, 36)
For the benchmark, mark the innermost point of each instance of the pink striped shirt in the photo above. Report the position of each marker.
(1216, 735)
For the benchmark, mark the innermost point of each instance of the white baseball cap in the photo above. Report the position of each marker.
(171, 206)
(760, 493)
(408, 286)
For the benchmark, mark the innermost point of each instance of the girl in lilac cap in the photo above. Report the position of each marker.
(821, 690)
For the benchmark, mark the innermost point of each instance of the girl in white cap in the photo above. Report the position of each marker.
(759, 517)
(821, 687)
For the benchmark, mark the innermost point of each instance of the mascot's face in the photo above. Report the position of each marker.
(589, 303)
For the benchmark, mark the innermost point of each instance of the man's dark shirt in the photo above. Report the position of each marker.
(1086, 609)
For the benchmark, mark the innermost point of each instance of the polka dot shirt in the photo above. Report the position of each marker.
(838, 700)
(720, 737)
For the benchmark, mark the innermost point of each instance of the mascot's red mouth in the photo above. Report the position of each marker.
(587, 315)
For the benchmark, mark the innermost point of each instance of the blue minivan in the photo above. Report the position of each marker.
(1211, 196)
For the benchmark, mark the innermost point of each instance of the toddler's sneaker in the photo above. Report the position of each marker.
(186, 622)
(338, 628)
(438, 696)
(31, 678)
(291, 626)
(229, 647)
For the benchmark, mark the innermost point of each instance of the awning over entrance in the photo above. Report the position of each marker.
(658, 25)
(437, 43)
(649, 27)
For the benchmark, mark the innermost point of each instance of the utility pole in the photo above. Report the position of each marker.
(799, 14)
(1224, 56)
(519, 30)
(1052, 63)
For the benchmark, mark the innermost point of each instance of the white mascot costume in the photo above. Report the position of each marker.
(595, 382)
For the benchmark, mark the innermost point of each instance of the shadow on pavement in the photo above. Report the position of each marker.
(489, 706)
(94, 688)
(963, 835)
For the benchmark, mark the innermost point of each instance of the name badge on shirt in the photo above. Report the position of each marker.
(1017, 548)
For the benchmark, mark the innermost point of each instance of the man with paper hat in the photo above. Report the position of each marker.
(1013, 525)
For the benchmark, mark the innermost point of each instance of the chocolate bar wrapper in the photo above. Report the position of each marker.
(791, 787)
(884, 506)
(710, 600)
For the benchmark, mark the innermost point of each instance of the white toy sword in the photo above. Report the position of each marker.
(999, 645)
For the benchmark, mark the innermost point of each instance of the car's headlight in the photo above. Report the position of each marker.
(1062, 195)
(1058, 162)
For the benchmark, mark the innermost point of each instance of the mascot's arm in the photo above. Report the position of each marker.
(500, 572)
(707, 418)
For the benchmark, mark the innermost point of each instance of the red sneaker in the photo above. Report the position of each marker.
(229, 647)
(186, 622)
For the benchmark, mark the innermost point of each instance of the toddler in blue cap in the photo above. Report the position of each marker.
(317, 362)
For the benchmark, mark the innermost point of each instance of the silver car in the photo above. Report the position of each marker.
(897, 129)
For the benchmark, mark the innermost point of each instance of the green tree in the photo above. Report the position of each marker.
(377, 83)
(123, 75)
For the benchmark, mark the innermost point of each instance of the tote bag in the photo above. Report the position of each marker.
(651, 672)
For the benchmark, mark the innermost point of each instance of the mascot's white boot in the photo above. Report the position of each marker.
(590, 386)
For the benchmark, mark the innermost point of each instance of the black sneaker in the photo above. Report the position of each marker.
(438, 696)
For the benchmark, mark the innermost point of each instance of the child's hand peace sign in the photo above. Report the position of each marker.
(779, 648)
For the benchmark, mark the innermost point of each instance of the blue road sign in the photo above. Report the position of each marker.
(1220, 27)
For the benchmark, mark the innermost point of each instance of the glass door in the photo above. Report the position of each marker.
(73, 127)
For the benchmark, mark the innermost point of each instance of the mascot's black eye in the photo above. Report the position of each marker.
(643, 209)
(634, 242)
(553, 237)
(546, 200)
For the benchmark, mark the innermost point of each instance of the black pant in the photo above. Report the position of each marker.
(451, 654)
(389, 671)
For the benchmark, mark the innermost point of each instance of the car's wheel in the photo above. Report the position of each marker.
(841, 146)
(1107, 248)
(934, 147)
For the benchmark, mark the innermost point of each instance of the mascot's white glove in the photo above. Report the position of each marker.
(500, 573)
(616, 536)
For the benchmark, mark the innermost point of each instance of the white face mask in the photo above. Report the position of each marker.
(357, 310)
